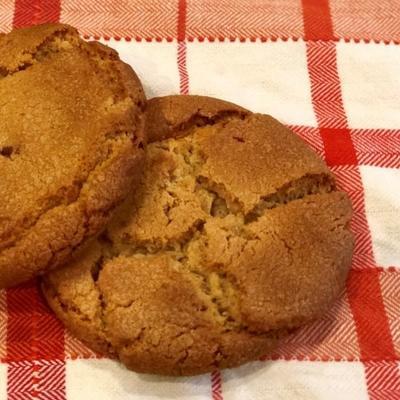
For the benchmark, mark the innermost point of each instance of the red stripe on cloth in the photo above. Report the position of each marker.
(383, 380)
(325, 85)
(339, 148)
(367, 19)
(348, 179)
(35, 347)
(32, 12)
(182, 7)
(363, 287)
(378, 147)
(182, 68)
(3, 325)
(75, 349)
(35, 339)
(328, 104)
(216, 386)
(372, 325)
(376, 344)
(330, 338)
(317, 20)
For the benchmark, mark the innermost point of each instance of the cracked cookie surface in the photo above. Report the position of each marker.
(235, 235)
(70, 143)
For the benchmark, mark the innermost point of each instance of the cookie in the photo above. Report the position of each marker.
(70, 143)
(236, 235)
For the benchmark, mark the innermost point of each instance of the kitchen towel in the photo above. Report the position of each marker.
(328, 69)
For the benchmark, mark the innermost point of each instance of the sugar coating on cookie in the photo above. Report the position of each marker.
(235, 235)
(70, 143)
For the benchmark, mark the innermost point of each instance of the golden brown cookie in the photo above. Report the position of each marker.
(236, 235)
(70, 143)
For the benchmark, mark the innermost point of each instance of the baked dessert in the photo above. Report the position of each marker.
(235, 235)
(70, 144)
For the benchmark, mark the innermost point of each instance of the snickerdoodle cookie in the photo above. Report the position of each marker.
(70, 143)
(235, 235)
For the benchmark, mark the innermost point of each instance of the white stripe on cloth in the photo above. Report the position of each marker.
(104, 379)
(296, 380)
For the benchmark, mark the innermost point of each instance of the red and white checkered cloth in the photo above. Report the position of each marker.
(330, 70)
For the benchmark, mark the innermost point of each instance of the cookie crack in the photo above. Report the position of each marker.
(54, 202)
(225, 202)
(307, 185)
(199, 119)
(95, 271)
(69, 308)
(62, 40)
(201, 280)
(219, 291)
(54, 43)
(215, 286)
(175, 246)
(64, 304)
